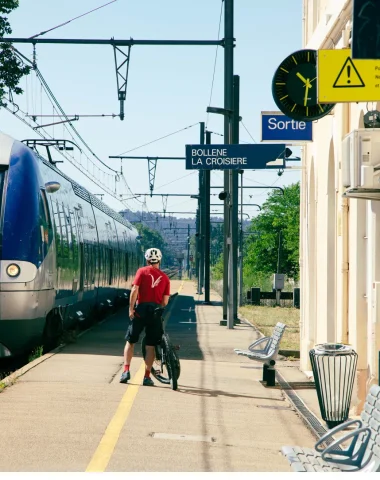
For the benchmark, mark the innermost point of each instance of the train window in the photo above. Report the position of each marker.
(44, 209)
(64, 235)
(82, 266)
(93, 261)
(58, 231)
(96, 263)
(104, 265)
(66, 213)
(85, 265)
(126, 266)
(110, 256)
(74, 237)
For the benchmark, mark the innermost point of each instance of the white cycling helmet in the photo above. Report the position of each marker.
(153, 255)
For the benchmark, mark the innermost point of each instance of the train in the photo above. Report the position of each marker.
(66, 258)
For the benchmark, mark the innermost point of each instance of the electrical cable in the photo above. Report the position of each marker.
(216, 56)
(180, 178)
(53, 100)
(52, 97)
(79, 16)
(72, 161)
(47, 89)
(157, 139)
(254, 141)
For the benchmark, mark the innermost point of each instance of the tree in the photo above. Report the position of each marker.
(151, 238)
(11, 68)
(279, 216)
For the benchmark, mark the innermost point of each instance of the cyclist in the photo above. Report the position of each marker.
(151, 289)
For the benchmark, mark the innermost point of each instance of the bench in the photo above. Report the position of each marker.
(362, 453)
(265, 350)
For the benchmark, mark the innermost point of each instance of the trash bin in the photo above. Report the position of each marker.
(334, 367)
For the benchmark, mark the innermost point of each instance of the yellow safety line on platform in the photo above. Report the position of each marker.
(107, 444)
(180, 287)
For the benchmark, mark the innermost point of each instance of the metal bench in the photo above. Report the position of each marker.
(362, 453)
(265, 350)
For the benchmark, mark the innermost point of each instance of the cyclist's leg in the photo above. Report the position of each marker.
(153, 332)
(135, 328)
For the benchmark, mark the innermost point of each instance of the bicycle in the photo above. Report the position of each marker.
(166, 367)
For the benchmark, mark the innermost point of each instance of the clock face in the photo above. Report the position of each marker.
(294, 87)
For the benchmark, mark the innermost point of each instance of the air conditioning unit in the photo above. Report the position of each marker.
(361, 159)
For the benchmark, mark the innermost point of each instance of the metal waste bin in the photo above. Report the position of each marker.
(334, 367)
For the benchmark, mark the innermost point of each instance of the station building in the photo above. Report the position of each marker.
(340, 236)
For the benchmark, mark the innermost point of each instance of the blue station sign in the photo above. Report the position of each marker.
(277, 127)
(234, 157)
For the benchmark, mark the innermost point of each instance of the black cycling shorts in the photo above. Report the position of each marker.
(145, 318)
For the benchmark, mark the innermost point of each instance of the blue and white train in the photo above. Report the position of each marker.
(65, 257)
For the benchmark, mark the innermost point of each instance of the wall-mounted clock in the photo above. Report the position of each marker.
(294, 87)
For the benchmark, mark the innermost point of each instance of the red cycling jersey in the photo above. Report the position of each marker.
(153, 285)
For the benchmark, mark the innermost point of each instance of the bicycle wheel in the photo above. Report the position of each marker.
(178, 365)
(175, 356)
(170, 361)
(159, 369)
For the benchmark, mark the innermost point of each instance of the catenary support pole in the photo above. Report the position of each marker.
(201, 223)
(207, 184)
(241, 240)
(228, 106)
(188, 250)
(234, 219)
(197, 245)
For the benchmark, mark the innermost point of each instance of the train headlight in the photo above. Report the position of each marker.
(13, 270)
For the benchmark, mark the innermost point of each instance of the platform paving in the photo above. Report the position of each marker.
(70, 413)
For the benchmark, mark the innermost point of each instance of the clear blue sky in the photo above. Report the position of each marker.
(168, 87)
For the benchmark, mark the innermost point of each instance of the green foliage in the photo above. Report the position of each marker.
(152, 238)
(217, 269)
(257, 279)
(37, 353)
(216, 243)
(11, 68)
(280, 213)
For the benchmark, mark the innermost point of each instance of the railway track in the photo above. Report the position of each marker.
(171, 272)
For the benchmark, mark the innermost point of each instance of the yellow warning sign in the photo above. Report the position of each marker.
(341, 79)
(348, 77)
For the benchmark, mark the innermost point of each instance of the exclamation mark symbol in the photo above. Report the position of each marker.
(348, 74)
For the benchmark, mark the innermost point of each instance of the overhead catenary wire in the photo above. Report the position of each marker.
(246, 129)
(157, 139)
(78, 165)
(48, 90)
(216, 57)
(176, 180)
(53, 100)
(66, 155)
(75, 18)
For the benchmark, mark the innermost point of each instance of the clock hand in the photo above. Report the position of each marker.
(307, 92)
(302, 78)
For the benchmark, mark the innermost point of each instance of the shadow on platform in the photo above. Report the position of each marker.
(108, 338)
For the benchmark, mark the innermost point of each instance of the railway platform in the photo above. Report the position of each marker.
(67, 411)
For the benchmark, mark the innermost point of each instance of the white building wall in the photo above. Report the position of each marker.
(340, 238)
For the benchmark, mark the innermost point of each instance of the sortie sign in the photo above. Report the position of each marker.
(233, 157)
(277, 127)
